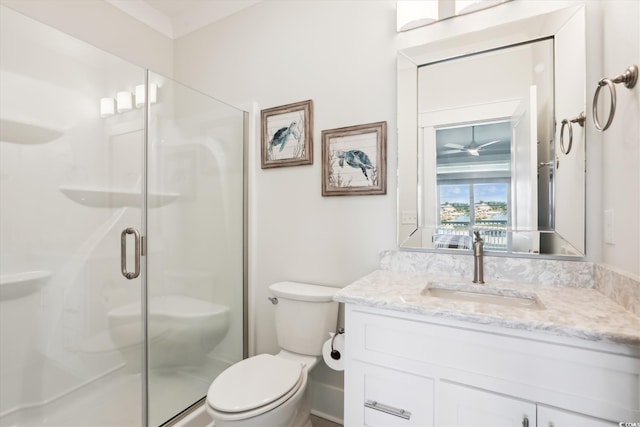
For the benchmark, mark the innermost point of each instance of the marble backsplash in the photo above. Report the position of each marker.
(524, 270)
(618, 286)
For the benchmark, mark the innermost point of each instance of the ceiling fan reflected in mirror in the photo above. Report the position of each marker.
(473, 148)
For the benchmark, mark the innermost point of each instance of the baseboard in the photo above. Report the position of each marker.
(327, 402)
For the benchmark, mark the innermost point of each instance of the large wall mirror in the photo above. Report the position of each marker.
(482, 145)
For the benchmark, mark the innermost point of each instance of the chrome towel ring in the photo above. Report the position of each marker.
(580, 120)
(628, 78)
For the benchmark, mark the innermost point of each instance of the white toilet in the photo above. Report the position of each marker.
(271, 391)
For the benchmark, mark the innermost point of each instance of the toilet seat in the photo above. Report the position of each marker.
(254, 386)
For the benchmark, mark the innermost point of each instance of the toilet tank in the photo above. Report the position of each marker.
(304, 316)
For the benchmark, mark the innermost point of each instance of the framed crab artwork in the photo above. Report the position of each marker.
(354, 160)
(287, 135)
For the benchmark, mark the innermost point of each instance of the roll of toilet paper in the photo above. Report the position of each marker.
(338, 345)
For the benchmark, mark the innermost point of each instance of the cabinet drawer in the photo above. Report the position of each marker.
(388, 398)
(553, 417)
(461, 406)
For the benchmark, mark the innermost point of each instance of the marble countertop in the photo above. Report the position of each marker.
(583, 313)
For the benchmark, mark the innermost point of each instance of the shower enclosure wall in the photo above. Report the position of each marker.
(95, 151)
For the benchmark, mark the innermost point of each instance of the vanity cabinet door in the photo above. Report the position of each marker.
(461, 406)
(381, 397)
(552, 417)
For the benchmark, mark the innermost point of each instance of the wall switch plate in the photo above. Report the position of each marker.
(609, 227)
(409, 218)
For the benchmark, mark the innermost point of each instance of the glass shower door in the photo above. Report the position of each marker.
(70, 181)
(88, 177)
(194, 244)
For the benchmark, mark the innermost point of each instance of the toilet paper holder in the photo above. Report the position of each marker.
(335, 354)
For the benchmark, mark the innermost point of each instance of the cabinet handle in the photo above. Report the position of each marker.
(525, 421)
(396, 412)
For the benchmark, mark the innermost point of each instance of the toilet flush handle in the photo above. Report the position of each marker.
(273, 300)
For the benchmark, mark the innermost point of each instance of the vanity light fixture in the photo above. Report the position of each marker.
(107, 107)
(412, 14)
(463, 7)
(140, 94)
(124, 101)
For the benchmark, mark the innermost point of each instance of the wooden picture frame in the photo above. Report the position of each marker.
(354, 160)
(287, 135)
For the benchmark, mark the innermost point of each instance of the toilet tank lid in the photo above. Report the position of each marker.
(303, 291)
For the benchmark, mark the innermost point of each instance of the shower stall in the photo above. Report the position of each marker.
(122, 227)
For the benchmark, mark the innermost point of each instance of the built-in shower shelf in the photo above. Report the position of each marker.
(26, 133)
(105, 198)
(17, 285)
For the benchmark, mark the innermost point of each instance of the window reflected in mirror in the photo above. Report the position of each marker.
(473, 176)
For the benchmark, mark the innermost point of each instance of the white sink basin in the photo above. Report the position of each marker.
(483, 294)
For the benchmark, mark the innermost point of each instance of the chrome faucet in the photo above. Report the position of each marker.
(478, 259)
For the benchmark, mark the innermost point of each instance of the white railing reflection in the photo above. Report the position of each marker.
(493, 232)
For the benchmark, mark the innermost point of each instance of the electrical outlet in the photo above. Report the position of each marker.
(409, 218)
(609, 227)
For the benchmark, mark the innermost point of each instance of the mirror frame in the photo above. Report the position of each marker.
(526, 26)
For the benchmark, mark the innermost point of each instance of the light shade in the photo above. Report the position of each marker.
(417, 13)
(107, 107)
(124, 101)
(412, 14)
(140, 99)
(469, 6)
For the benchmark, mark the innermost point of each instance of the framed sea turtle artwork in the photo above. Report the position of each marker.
(287, 135)
(354, 160)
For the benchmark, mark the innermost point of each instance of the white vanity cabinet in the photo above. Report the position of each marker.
(404, 369)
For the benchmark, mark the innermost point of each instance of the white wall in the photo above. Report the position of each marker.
(621, 142)
(342, 56)
(105, 27)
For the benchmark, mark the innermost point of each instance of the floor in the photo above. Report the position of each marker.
(321, 422)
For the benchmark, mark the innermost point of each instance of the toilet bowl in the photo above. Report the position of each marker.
(185, 329)
(271, 391)
(262, 391)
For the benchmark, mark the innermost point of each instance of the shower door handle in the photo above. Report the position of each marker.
(123, 253)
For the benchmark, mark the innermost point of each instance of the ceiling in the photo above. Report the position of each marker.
(176, 18)
(479, 134)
